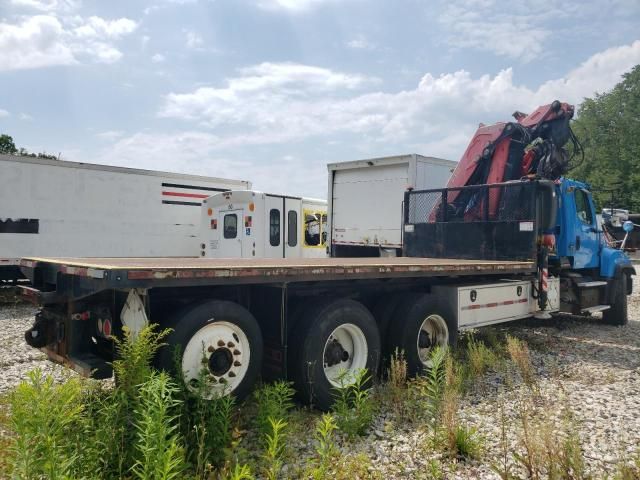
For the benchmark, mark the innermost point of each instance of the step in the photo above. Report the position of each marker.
(596, 308)
(595, 283)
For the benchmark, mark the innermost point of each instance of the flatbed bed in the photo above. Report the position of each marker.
(101, 273)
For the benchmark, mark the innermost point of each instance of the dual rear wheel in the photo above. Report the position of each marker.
(220, 343)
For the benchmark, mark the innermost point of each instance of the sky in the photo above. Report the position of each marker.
(272, 90)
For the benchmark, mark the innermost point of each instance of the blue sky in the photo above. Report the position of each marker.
(272, 90)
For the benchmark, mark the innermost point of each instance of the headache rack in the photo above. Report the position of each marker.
(483, 222)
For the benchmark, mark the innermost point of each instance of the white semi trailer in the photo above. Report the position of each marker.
(365, 201)
(251, 224)
(59, 208)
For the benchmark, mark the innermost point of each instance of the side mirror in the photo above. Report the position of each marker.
(627, 226)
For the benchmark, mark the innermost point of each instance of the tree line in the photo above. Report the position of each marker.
(8, 147)
(608, 127)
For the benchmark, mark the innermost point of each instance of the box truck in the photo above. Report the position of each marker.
(59, 208)
(365, 201)
(251, 224)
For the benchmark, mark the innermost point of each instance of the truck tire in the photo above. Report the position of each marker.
(334, 339)
(218, 341)
(418, 325)
(617, 314)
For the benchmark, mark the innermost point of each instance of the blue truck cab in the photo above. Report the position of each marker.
(595, 276)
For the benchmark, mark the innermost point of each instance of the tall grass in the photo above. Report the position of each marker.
(145, 427)
(521, 357)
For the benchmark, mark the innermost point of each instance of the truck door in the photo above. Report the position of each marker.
(587, 245)
(230, 245)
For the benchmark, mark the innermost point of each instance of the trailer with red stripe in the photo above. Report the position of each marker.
(62, 209)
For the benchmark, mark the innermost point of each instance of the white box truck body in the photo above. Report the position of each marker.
(251, 224)
(365, 200)
(59, 208)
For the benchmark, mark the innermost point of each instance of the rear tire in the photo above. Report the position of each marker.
(332, 336)
(617, 314)
(221, 338)
(418, 325)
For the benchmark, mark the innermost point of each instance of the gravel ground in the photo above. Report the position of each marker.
(583, 367)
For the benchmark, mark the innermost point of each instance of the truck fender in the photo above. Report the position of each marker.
(611, 260)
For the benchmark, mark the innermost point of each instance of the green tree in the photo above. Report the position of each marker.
(608, 126)
(6, 145)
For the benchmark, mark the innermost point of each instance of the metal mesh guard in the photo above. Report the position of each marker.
(512, 202)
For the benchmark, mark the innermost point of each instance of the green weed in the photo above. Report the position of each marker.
(274, 402)
(44, 417)
(479, 358)
(326, 449)
(160, 456)
(206, 425)
(353, 407)
(274, 448)
(426, 391)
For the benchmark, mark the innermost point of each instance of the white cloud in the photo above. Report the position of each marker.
(293, 6)
(36, 42)
(110, 135)
(275, 103)
(517, 32)
(193, 40)
(4, 113)
(158, 58)
(48, 5)
(281, 104)
(45, 40)
(360, 42)
(25, 117)
(97, 27)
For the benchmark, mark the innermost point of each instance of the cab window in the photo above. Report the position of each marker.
(230, 229)
(583, 208)
(274, 227)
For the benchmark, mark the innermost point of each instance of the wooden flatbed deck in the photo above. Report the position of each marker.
(268, 270)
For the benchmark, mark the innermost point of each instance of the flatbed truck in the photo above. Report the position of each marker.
(316, 321)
